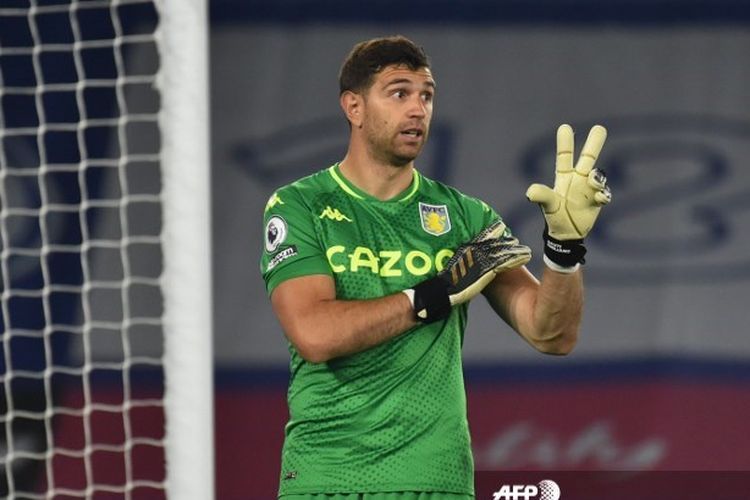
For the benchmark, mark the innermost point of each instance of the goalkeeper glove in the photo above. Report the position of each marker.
(466, 274)
(571, 207)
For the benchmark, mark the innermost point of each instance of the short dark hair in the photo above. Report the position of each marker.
(370, 57)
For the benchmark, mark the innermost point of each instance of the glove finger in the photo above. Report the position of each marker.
(471, 290)
(604, 196)
(509, 241)
(513, 251)
(494, 231)
(500, 248)
(591, 149)
(565, 145)
(544, 196)
(511, 260)
(597, 179)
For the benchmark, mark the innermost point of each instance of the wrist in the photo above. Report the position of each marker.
(409, 292)
(430, 300)
(563, 254)
(558, 268)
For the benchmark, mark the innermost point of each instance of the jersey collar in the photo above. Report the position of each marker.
(357, 193)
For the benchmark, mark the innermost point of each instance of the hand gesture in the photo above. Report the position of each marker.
(571, 207)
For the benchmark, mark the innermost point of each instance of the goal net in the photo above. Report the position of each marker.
(105, 347)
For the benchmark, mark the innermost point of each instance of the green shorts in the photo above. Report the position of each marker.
(399, 495)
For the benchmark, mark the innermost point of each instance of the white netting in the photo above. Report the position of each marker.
(81, 378)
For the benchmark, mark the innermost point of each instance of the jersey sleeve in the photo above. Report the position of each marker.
(290, 244)
(480, 214)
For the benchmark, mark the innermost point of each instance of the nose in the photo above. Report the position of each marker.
(418, 108)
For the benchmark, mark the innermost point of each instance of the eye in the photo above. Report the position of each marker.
(399, 93)
(427, 96)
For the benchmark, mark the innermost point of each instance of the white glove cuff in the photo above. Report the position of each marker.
(409, 292)
(559, 268)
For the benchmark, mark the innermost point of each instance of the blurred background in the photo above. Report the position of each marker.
(660, 380)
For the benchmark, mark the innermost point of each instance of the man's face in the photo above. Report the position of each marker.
(397, 113)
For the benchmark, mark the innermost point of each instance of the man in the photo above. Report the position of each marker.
(370, 267)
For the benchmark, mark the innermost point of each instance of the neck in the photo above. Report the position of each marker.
(380, 180)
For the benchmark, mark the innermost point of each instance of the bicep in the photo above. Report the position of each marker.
(292, 300)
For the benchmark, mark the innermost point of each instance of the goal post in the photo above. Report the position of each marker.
(184, 118)
(106, 369)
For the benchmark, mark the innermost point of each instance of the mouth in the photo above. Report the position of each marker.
(413, 133)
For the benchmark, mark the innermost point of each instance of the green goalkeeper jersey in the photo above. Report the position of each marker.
(393, 417)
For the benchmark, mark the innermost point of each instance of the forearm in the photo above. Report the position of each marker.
(334, 328)
(557, 312)
(546, 314)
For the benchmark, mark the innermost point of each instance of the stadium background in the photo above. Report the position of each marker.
(661, 377)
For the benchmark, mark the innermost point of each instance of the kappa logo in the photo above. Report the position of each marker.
(274, 200)
(334, 214)
(435, 219)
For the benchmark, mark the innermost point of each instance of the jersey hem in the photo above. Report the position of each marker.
(377, 489)
(290, 273)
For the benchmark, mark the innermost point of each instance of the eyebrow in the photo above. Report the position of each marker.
(398, 81)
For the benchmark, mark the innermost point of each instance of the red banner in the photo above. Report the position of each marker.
(606, 426)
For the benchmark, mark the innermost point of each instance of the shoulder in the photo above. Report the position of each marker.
(440, 191)
(300, 193)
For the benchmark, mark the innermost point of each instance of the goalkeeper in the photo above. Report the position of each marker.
(370, 267)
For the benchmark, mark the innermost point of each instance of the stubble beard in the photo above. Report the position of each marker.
(382, 147)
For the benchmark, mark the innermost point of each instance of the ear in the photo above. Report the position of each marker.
(352, 104)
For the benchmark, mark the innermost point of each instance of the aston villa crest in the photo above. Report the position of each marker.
(435, 219)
